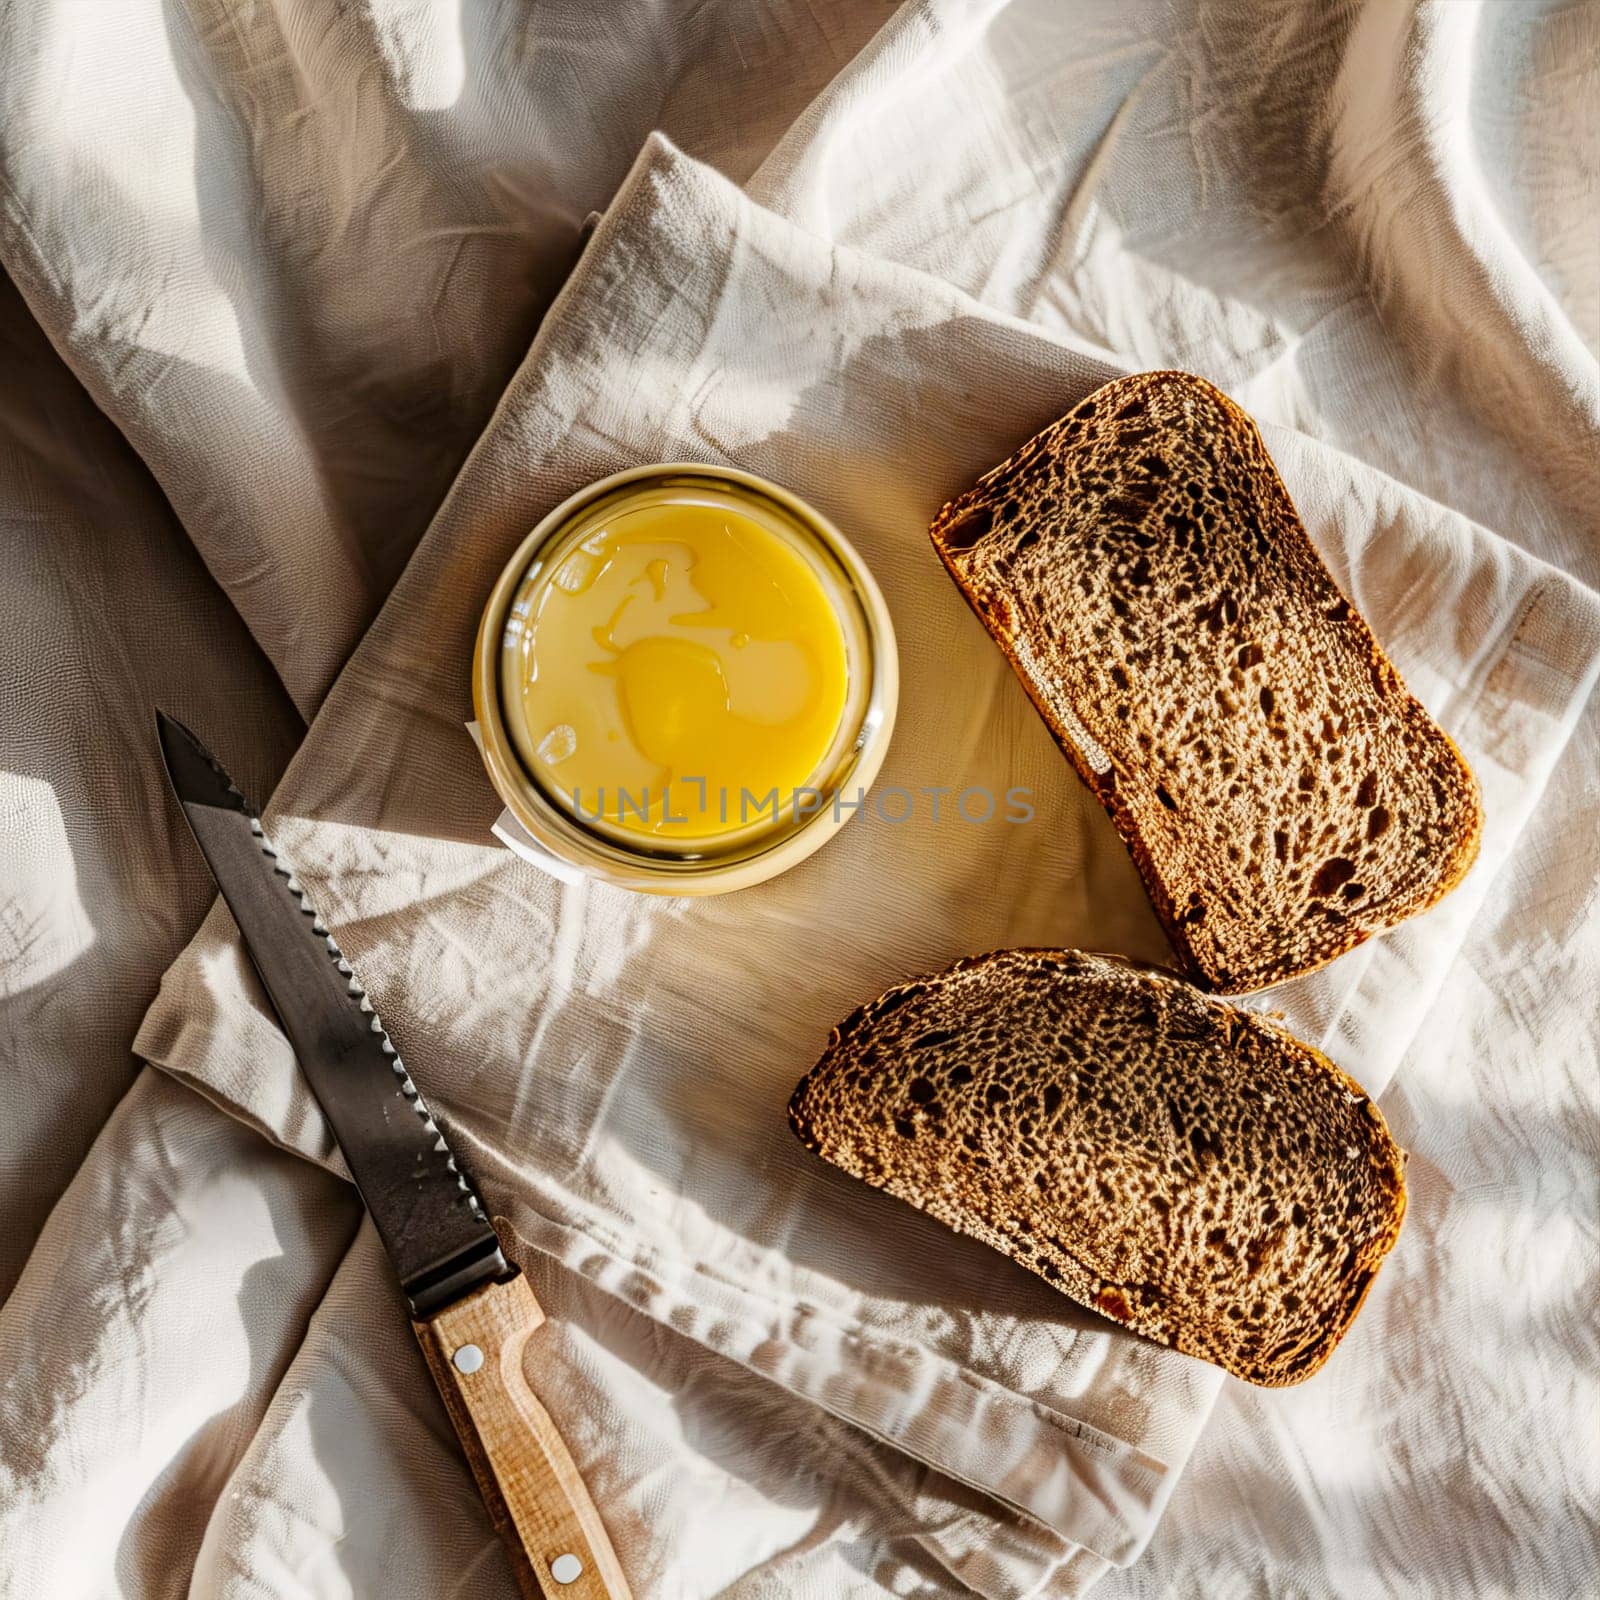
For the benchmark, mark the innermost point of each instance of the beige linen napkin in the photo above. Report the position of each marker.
(615, 1067)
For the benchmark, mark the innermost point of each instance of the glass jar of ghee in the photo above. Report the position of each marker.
(684, 680)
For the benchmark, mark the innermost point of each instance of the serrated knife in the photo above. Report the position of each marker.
(472, 1311)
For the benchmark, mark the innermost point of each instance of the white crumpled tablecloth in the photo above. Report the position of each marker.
(776, 1381)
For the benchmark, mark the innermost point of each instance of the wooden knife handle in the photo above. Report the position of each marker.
(535, 1496)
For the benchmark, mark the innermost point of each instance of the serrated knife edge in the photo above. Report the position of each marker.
(468, 1254)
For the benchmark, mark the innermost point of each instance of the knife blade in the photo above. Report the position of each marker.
(472, 1311)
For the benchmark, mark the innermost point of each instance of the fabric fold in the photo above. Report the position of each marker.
(295, 254)
(121, 1428)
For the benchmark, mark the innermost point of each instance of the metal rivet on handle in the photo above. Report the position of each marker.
(468, 1358)
(566, 1569)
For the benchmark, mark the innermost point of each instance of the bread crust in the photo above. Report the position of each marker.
(1264, 859)
(1189, 1170)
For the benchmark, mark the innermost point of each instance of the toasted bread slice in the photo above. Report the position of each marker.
(1190, 1170)
(1284, 796)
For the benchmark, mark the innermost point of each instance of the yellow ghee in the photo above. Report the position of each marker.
(679, 670)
